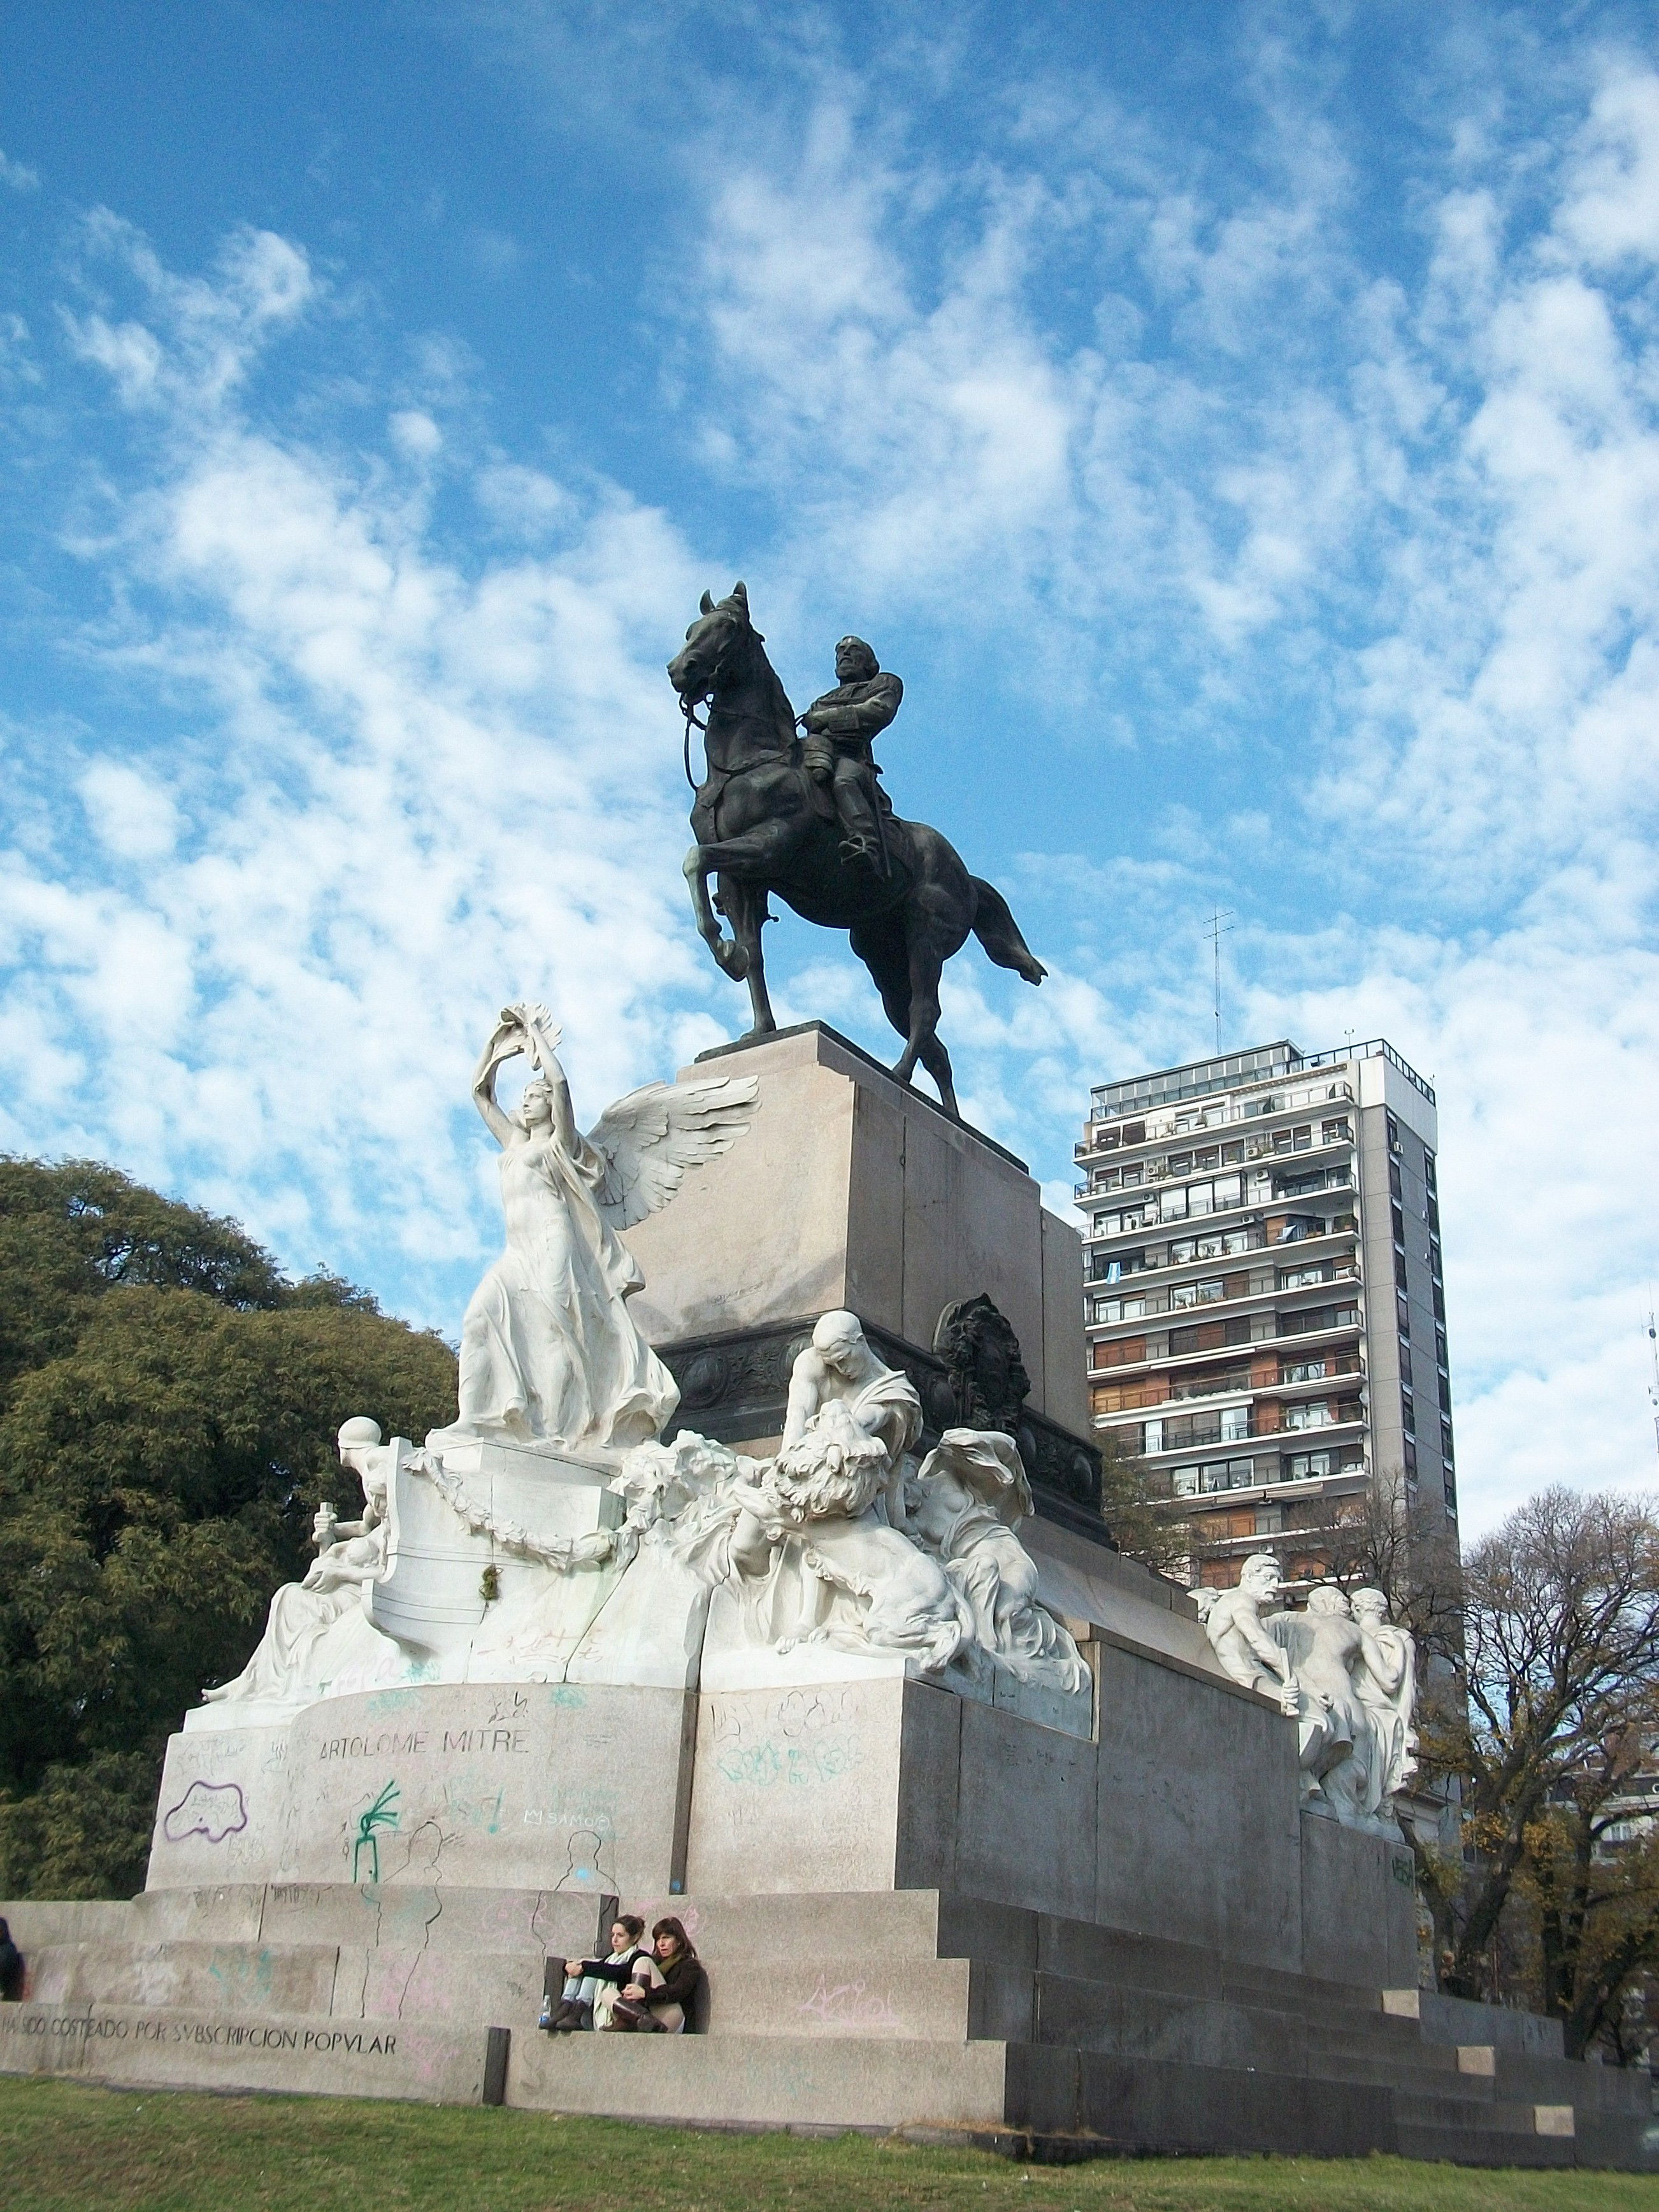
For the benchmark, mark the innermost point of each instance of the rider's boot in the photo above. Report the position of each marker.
(860, 839)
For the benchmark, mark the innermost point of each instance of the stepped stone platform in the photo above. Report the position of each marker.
(913, 2010)
(1061, 1914)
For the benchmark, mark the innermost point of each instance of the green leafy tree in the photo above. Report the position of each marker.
(168, 1407)
(1141, 1523)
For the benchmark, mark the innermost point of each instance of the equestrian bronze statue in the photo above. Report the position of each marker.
(806, 818)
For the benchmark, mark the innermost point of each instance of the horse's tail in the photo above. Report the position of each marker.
(999, 932)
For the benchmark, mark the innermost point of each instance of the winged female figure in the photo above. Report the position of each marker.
(550, 1356)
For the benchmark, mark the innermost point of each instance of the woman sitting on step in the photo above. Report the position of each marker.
(591, 1986)
(662, 1997)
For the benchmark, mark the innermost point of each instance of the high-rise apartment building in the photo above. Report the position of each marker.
(1266, 1315)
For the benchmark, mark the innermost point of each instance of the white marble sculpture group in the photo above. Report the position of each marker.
(1343, 1671)
(549, 1534)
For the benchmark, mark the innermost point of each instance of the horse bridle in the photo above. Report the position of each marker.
(689, 710)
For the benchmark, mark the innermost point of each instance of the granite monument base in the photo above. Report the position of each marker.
(917, 1911)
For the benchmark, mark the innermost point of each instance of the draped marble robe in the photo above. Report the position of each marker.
(549, 1352)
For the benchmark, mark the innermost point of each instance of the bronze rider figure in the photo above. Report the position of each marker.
(840, 728)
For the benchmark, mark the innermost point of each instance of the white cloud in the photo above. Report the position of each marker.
(215, 325)
(1440, 497)
(131, 816)
(405, 794)
(416, 435)
(17, 176)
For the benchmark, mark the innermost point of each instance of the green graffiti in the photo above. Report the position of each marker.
(382, 1814)
(795, 1766)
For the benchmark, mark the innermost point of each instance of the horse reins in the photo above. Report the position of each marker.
(688, 708)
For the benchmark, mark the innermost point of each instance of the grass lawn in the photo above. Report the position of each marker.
(167, 2151)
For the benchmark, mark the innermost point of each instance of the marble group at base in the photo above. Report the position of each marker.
(1342, 1671)
(669, 1566)
(548, 1535)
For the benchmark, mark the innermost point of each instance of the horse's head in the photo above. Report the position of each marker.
(714, 644)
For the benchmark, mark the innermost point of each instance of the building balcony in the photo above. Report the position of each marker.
(1196, 1374)
(1317, 1534)
(1283, 1219)
(1339, 1270)
(1212, 1486)
(1258, 1160)
(1282, 1093)
(1268, 1070)
(1138, 1307)
(1169, 1436)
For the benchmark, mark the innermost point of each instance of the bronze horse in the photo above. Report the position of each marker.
(762, 825)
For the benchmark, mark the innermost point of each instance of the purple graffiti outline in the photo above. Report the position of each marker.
(214, 1789)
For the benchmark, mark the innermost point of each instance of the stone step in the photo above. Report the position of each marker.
(924, 2000)
(1371, 2032)
(828, 2079)
(292, 1978)
(1232, 2031)
(1625, 2140)
(133, 2046)
(1435, 2108)
(1091, 1952)
(1615, 2089)
(324, 1912)
(1390, 2070)
(832, 2082)
(441, 1983)
(35, 1924)
(1149, 2104)
(417, 1916)
(901, 1923)
(1456, 2146)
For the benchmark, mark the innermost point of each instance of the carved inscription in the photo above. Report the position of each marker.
(221, 2034)
(389, 1743)
(507, 1741)
(419, 1743)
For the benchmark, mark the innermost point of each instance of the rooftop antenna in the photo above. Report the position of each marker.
(1220, 925)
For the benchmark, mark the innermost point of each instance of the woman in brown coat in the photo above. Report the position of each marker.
(662, 1998)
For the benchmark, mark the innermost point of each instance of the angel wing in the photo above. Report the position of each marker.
(649, 1140)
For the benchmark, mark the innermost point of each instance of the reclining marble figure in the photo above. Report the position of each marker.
(967, 1497)
(1346, 1673)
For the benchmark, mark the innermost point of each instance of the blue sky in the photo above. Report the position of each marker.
(1237, 425)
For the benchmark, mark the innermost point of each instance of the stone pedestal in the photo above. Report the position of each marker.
(854, 1190)
(555, 1786)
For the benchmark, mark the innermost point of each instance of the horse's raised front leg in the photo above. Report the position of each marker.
(727, 952)
(745, 863)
